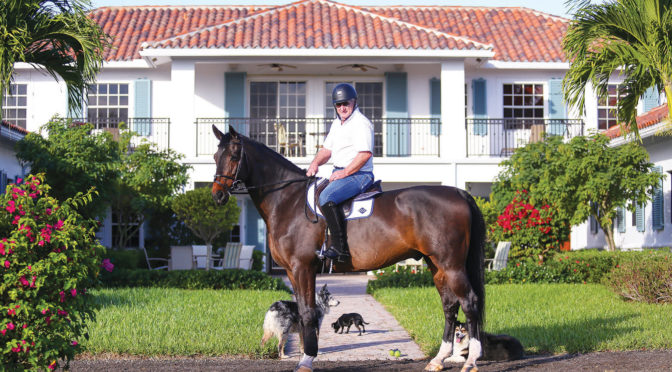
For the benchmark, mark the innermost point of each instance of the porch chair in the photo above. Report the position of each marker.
(245, 260)
(181, 257)
(200, 253)
(501, 257)
(288, 148)
(411, 262)
(155, 259)
(230, 259)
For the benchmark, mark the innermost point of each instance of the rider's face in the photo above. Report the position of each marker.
(345, 109)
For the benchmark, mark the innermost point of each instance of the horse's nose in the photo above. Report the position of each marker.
(220, 197)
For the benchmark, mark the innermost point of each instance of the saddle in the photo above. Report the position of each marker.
(359, 206)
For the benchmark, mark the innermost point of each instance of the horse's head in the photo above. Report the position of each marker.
(228, 160)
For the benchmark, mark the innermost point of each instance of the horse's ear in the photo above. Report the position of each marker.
(217, 132)
(233, 132)
(324, 288)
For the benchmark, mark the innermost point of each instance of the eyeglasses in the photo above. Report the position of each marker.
(339, 104)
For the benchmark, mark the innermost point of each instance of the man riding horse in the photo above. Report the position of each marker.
(350, 144)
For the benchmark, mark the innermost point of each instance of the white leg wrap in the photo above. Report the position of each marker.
(474, 352)
(444, 352)
(306, 362)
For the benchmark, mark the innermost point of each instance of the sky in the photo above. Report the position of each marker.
(555, 7)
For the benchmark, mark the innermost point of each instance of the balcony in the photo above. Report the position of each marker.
(303, 137)
(156, 130)
(501, 137)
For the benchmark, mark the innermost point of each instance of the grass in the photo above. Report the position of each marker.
(159, 321)
(546, 318)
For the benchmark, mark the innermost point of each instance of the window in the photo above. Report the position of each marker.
(14, 105)
(271, 100)
(523, 101)
(370, 103)
(607, 107)
(107, 105)
(134, 240)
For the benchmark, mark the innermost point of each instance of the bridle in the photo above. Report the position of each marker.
(236, 184)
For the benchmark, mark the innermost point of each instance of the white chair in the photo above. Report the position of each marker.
(181, 257)
(231, 258)
(245, 259)
(155, 259)
(501, 257)
(201, 255)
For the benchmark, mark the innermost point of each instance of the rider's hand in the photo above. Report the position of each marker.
(312, 170)
(337, 175)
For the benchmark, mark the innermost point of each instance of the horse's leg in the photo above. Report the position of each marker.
(459, 284)
(450, 307)
(305, 298)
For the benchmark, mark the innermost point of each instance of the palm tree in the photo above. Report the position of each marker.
(629, 37)
(55, 36)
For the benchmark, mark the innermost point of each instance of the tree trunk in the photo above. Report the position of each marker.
(609, 236)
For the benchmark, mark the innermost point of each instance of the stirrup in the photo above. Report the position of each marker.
(334, 254)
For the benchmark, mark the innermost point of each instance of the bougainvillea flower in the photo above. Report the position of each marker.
(107, 265)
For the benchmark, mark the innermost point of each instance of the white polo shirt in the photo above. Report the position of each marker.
(346, 140)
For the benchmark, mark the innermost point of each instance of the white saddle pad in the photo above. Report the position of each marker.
(360, 208)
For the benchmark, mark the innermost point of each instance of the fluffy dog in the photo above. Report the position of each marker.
(348, 320)
(495, 347)
(282, 318)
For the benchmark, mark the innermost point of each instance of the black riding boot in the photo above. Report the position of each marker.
(336, 223)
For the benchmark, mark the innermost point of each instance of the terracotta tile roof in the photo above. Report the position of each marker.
(11, 131)
(517, 34)
(647, 119)
(334, 26)
(130, 26)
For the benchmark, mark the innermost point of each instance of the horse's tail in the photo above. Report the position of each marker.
(476, 257)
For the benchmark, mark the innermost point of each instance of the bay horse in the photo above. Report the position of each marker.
(440, 223)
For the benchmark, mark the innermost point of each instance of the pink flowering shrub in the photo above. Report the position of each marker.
(533, 231)
(49, 259)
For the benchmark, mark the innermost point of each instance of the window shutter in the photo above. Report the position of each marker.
(657, 204)
(651, 99)
(620, 215)
(639, 216)
(399, 131)
(435, 104)
(479, 93)
(73, 113)
(594, 226)
(3, 182)
(234, 97)
(142, 107)
(556, 108)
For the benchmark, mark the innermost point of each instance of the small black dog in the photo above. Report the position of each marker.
(348, 320)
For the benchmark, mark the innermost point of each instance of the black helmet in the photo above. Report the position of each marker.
(343, 92)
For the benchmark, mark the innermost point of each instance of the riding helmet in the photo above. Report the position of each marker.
(343, 92)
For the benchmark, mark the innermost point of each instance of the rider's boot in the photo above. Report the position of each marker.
(338, 247)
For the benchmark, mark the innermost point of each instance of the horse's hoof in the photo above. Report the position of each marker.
(469, 369)
(433, 366)
(303, 369)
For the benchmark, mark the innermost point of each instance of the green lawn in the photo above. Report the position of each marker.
(158, 321)
(553, 318)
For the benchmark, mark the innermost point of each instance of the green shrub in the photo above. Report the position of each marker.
(49, 258)
(648, 278)
(193, 279)
(127, 258)
(404, 277)
(257, 260)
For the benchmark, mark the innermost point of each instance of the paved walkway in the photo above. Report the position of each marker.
(382, 333)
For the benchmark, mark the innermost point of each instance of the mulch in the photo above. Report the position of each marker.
(653, 360)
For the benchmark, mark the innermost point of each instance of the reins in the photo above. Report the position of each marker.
(237, 185)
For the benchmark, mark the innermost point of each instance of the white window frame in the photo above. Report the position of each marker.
(15, 105)
(93, 103)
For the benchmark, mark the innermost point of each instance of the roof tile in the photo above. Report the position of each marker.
(647, 119)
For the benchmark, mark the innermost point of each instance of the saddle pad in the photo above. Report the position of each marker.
(361, 208)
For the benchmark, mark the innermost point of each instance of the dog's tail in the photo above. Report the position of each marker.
(364, 322)
(267, 336)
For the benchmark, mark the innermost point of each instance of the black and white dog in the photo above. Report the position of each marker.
(282, 318)
(496, 347)
(348, 320)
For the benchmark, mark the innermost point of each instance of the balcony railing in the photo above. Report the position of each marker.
(501, 137)
(156, 130)
(303, 137)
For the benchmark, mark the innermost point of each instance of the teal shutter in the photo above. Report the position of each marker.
(651, 99)
(639, 217)
(620, 215)
(657, 204)
(594, 225)
(556, 108)
(234, 99)
(142, 107)
(74, 113)
(399, 130)
(3, 182)
(435, 104)
(479, 93)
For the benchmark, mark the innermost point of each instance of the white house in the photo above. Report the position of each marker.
(451, 90)
(10, 168)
